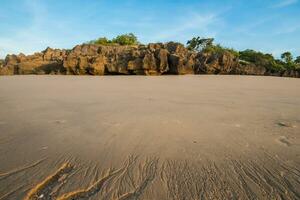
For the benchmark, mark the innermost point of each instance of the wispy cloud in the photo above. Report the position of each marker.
(249, 27)
(206, 24)
(288, 30)
(36, 24)
(284, 3)
(190, 22)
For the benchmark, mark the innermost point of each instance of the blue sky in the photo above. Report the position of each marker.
(271, 26)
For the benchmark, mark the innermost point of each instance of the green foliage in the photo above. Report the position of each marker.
(101, 40)
(199, 44)
(297, 60)
(218, 49)
(297, 63)
(268, 61)
(287, 57)
(125, 39)
(247, 56)
(261, 59)
(207, 45)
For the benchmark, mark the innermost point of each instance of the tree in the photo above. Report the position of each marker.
(297, 60)
(126, 39)
(261, 59)
(199, 44)
(101, 40)
(287, 57)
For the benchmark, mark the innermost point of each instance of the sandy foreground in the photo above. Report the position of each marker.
(137, 137)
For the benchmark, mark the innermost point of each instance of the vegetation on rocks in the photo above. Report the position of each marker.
(125, 39)
(272, 65)
(261, 59)
(125, 55)
(198, 43)
(297, 61)
(268, 61)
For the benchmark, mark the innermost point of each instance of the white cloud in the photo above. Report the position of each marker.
(249, 28)
(185, 27)
(190, 22)
(284, 3)
(194, 21)
(288, 29)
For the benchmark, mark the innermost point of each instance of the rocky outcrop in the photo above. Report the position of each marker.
(210, 63)
(153, 59)
(246, 68)
(1, 63)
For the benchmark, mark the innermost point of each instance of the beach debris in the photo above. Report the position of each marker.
(284, 124)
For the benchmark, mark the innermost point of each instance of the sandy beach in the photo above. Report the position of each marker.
(149, 137)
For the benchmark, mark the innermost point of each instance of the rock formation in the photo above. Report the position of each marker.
(153, 59)
(1, 63)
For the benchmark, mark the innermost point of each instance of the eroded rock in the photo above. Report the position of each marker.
(151, 59)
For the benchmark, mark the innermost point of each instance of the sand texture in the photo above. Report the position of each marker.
(157, 137)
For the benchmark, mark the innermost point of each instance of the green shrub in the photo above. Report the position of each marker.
(218, 49)
(125, 39)
(199, 44)
(101, 40)
(297, 60)
(261, 59)
(288, 59)
(207, 45)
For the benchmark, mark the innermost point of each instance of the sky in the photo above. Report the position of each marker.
(271, 26)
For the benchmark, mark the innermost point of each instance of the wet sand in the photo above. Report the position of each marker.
(140, 137)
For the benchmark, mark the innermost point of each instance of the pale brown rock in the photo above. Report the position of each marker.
(97, 67)
(153, 59)
(163, 55)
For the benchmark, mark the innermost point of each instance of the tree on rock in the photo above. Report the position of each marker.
(297, 60)
(101, 40)
(199, 44)
(125, 39)
(287, 57)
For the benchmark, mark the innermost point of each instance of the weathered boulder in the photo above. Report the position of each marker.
(38, 63)
(97, 66)
(216, 63)
(245, 68)
(181, 60)
(149, 64)
(175, 48)
(11, 60)
(53, 54)
(70, 63)
(291, 73)
(162, 56)
(7, 70)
